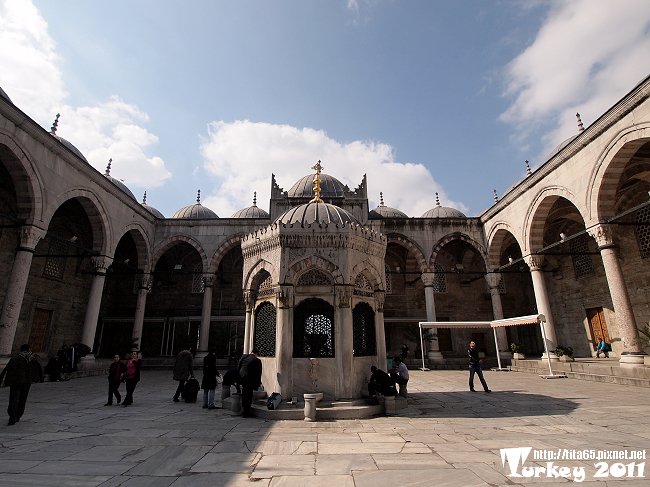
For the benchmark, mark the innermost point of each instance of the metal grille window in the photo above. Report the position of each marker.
(440, 279)
(314, 277)
(313, 329)
(642, 230)
(363, 330)
(198, 285)
(389, 287)
(266, 287)
(56, 258)
(265, 326)
(582, 264)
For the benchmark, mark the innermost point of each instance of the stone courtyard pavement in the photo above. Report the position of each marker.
(447, 436)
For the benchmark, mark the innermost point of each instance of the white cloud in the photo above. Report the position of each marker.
(586, 56)
(243, 154)
(32, 77)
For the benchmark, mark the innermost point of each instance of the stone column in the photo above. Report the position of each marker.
(249, 301)
(493, 280)
(543, 303)
(100, 264)
(633, 354)
(284, 341)
(380, 333)
(144, 284)
(29, 237)
(434, 354)
(206, 314)
(343, 339)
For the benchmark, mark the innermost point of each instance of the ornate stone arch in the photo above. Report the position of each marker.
(27, 181)
(495, 242)
(480, 248)
(404, 241)
(260, 266)
(174, 239)
(301, 266)
(224, 248)
(370, 272)
(538, 211)
(142, 244)
(606, 173)
(97, 216)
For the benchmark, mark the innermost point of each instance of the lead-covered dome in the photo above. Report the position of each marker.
(251, 211)
(65, 142)
(196, 211)
(117, 182)
(151, 209)
(330, 187)
(443, 211)
(316, 213)
(383, 211)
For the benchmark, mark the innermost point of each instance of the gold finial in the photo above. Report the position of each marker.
(144, 198)
(381, 199)
(55, 125)
(581, 127)
(254, 198)
(437, 199)
(108, 168)
(198, 197)
(528, 171)
(318, 168)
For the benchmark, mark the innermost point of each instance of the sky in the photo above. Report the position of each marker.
(447, 96)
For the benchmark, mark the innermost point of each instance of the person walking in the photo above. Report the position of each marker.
(131, 376)
(115, 376)
(209, 380)
(183, 370)
(475, 367)
(20, 373)
(250, 377)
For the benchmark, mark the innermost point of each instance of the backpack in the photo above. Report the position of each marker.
(273, 401)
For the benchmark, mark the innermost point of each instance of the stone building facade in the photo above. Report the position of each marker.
(86, 262)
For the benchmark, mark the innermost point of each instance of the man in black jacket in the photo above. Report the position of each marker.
(22, 370)
(250, 377)
(475, 367)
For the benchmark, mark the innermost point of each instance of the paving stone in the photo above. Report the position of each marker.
(280, 465)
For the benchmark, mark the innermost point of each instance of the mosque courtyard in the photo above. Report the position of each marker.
(447, 436)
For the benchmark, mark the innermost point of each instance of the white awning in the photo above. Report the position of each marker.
(455, 324)
(519, 320)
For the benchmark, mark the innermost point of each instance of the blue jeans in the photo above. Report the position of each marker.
(476, 369)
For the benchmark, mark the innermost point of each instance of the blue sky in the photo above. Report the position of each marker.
(423, 96)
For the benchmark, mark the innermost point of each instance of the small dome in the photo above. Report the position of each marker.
(443, 211)
(383, 211)
(316, 213)
(5, 97)
(329, 185)
(150, 209)
(560, 146)
(67, 144)
(251, 211)
(196, 211)
(117, 182)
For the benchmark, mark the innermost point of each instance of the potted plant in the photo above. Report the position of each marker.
(517, 351)
(565, 354)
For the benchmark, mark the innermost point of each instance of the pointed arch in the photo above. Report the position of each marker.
(224, 248)
(538, 212)
(313, 261)
(480, 248)
(169, 242)
(411, 246)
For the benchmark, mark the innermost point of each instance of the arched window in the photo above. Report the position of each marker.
(313, 329)
(264, 334)
(363, 330)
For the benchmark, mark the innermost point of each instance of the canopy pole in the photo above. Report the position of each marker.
(496, 344)
(550, 375)
(422, 348)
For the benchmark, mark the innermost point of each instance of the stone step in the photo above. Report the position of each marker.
(606, 371)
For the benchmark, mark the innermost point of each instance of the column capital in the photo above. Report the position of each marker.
(534, 261)
(343, 295)
(380, 298)
(428, 278)
(603, 234)
(284, 295)
(208, 280)
(30, 236)
(493, 279)
(145, 282)
(250, 297)
(100, 263)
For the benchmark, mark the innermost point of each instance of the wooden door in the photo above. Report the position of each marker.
(597, 325)
(40, 326)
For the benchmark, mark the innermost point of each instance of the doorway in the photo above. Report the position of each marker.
(597, 325)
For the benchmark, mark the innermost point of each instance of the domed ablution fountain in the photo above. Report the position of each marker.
(314, 288)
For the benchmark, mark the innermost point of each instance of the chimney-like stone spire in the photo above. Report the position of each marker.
(55, 125)
(581, 127)
(108, 168)
(198, 197)
(437, 200)
(496, 197)
(528, 171)
(144, 198)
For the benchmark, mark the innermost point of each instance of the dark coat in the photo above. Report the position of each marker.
(250, 370)
(183, 367)
(23, 368)
(474, 359)
(116, 371)
(210, 372)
